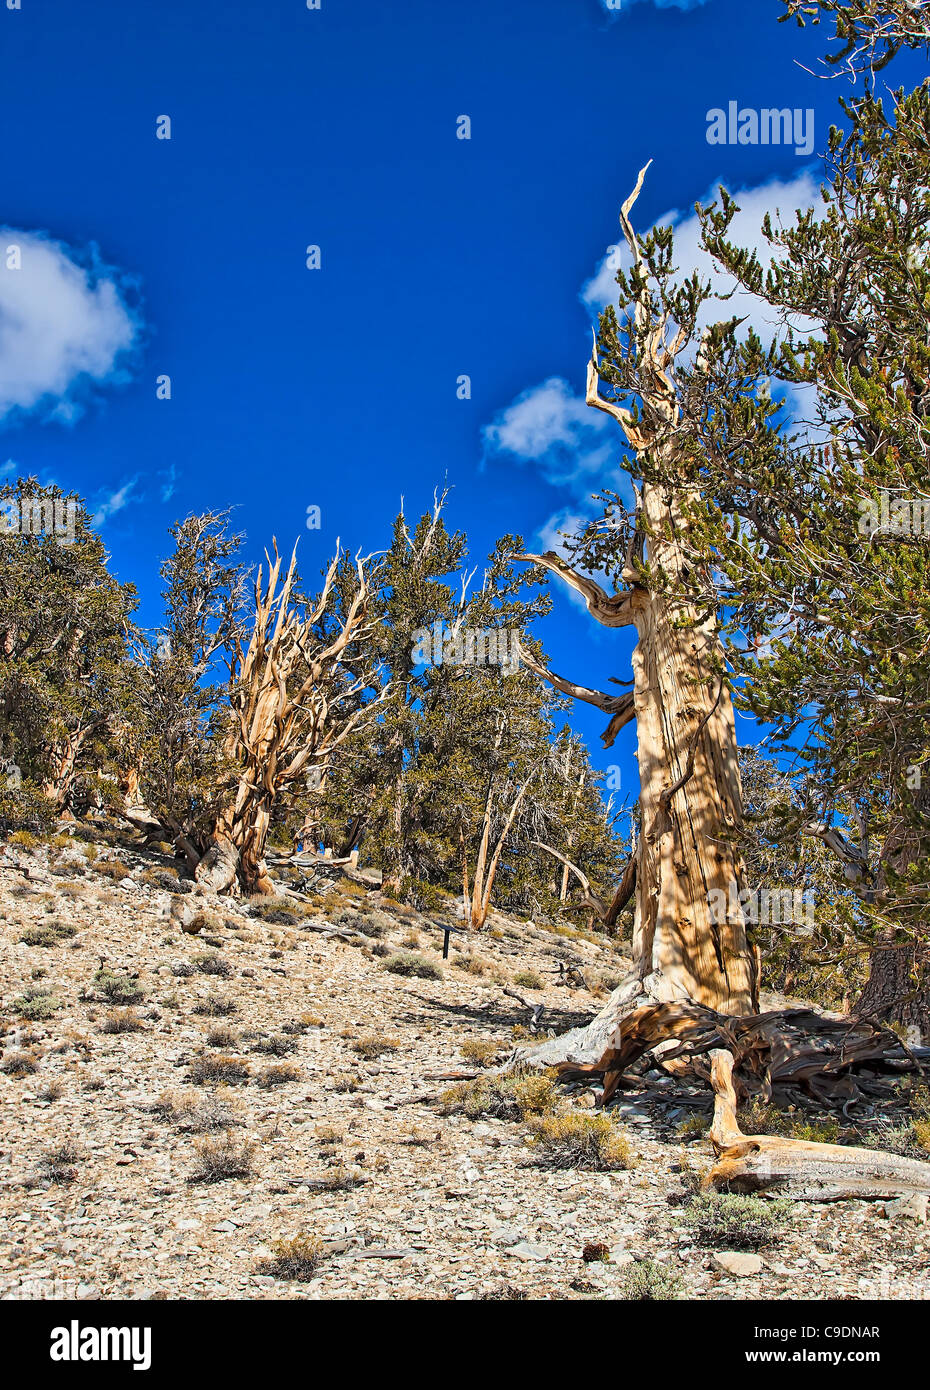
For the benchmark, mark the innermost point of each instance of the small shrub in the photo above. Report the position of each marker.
(567, 1139)
(649, 1281)
(53, 1091)
(340, 1179)
(818, 1131)
(37, 1004)
(596, 1252)
(345, 1083)
(371, 1047)
(224, 1157)
(19, 1064)
(118, 989)
(122, 1021)
(231, 1071)
(212, 965)
(182, 969)
(759, 1118)
(221, 1035)
(276, 1045)
(921, 1132)
(58, 1164)
(166, 878)
(694, 1127)
(298, 1258)
(472, 965)
(281, 1075)
(278, 912)
(112, 869)
(196, 1114)
(528, 979)
(728, 1221)
(481, 1051)
(25, 839)
(216, 1008)
(502, 1097)
(50, 934)
(407, 963)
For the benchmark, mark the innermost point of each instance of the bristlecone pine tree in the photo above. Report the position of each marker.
(690, 799)
(451, 791)
(64, 672)
(295, 696)
(820, 535)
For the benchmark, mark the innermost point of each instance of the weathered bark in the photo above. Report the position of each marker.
(293, 705)
(897, 989)
(56, 786)
(690, 794)
(806, 1171)
(479, 904)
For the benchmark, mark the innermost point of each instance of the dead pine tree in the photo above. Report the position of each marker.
(690, 793)
(295, 696)
(478, 899)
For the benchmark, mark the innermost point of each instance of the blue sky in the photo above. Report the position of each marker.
(440, 257)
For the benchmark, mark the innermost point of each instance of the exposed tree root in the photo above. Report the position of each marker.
(803, 1170)
(817, 1052)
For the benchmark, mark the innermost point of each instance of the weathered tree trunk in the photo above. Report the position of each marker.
(57, 785)
(897, 989)
(485, 870)
(687, 858)
(293, 703)
(690, 796)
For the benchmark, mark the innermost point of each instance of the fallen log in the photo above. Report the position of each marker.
(805, 1171)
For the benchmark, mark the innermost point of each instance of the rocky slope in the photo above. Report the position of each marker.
(152, 1039)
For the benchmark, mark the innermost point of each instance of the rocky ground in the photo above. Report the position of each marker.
(125, 1002)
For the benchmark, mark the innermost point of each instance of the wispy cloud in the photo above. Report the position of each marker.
(552, 427)
(7, 468)
(68, 325)
(170, 475)
(115, 502)
(776, 196)
(616, 7)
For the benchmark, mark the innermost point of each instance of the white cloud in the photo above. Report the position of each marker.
(550, 426)
(65, 326)
(782, 196)
(115, 502)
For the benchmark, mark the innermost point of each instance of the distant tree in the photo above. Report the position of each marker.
(64, 675)
(173, 748)
(451, 788)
